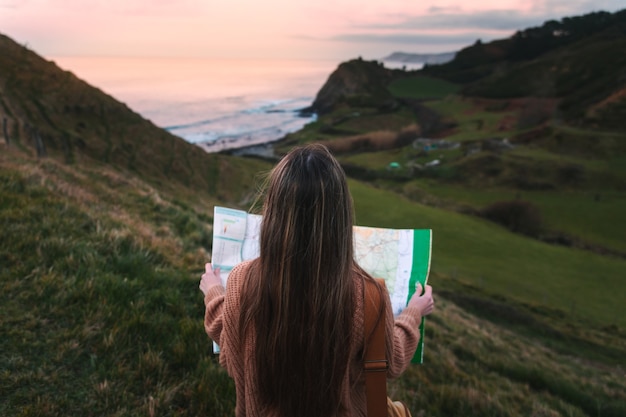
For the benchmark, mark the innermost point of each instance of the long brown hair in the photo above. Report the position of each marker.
(300, 294)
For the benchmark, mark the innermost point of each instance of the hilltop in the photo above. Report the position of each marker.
(579, 60)
(106, 223)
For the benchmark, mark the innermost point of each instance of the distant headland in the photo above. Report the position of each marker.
(411, 58)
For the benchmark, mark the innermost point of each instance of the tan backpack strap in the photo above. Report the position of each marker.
(375, 363)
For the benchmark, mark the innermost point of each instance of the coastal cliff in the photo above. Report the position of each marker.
(355, 83)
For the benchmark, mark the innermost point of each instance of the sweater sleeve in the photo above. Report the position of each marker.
(401, 337)
(213, 313)
(221, 320)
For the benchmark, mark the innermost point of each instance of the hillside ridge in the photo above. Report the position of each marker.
(48, 111)
(578, 60)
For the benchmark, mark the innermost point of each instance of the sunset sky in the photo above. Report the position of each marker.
(336, 29)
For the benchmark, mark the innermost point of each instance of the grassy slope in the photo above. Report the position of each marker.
(582, 169)
(578, 59)
(595, 217)
(421, 87)
(480, 361)
(504, 263)
(79, 123)
(102, 315)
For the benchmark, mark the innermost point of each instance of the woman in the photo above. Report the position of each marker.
(290, 323)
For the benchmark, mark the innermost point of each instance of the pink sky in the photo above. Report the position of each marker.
(339, 29)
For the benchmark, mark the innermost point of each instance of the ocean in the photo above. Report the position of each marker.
(218, 104)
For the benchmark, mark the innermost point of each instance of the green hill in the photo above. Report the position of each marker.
(354, 83)
(579, 60)
(105, 234)
(50, 111)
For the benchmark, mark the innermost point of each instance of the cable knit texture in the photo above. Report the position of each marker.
(221, 322)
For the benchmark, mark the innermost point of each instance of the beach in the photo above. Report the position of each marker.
(241, 146)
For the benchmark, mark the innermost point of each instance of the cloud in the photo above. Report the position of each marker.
(410, 38)
(454, 26)
(448, 27)
(511, 19)
(449, 9)
(556, 9)
(501, 20)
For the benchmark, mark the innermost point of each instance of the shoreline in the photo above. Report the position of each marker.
(248, 145)
(241, 146)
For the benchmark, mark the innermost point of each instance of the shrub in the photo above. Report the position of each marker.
(516, 215)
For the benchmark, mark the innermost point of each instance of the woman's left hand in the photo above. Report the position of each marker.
(210, 278)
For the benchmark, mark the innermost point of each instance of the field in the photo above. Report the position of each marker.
(102, 314)
(500, 262)
(421, 87)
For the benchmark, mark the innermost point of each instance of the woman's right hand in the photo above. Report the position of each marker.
(210, 278)
(423, 302)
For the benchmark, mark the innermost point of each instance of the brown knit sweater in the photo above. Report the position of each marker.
(237, 356)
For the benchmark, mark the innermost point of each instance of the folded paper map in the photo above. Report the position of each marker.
(400, 256)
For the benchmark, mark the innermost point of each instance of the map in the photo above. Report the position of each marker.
(388, 254)
(400, 256)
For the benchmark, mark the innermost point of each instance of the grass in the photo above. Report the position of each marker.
(380, 160)
(474, 365)
(343, 124)
(495, 259)
(102, 315)
(406, 156)
(98, 320)
(421, 87)
(475, 119)
(366, 122)
(595, 217)
(582, 169)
